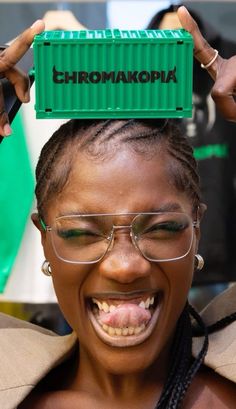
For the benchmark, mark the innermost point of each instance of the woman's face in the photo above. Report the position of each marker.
(114, 290)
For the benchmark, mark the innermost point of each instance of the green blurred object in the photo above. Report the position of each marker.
(113, 74)
(16, 196)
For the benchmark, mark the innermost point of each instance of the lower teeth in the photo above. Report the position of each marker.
(123, 331)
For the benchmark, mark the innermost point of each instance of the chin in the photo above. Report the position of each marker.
(124, 361)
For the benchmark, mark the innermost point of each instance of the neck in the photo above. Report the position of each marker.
(125, 384)
(144, 387)
(139, 388)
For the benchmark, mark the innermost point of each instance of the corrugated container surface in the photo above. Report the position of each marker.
(113, 74)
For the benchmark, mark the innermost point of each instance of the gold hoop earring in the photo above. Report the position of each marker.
(46, 269)
(199, 262)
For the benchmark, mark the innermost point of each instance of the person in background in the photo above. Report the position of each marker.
(220, 69)
(8, 59)
(214, 143)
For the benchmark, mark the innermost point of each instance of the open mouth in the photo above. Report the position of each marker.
(124, 321)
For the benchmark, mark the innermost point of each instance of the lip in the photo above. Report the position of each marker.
(130, 340)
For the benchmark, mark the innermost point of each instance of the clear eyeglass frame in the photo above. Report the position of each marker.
(110, 237)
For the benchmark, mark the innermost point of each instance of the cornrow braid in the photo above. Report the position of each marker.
(120, 127)
(184, 367)
(222, 323)
(179, 357)
(96, 136)
(184, 155)
(178, 147)
(200, 358)
(51, 150)
(217, 326)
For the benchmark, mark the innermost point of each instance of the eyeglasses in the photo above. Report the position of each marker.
(86, 239)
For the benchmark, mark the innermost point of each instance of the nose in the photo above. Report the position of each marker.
(124, 263)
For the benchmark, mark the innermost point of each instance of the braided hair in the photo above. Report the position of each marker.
(100, 139)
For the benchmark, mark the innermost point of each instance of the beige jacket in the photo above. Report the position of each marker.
(28, 353)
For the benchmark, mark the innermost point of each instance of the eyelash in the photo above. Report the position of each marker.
(74, 233)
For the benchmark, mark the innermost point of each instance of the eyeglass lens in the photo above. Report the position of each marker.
(86, 239)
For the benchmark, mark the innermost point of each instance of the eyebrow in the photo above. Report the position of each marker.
(167, 207)
(73, 212)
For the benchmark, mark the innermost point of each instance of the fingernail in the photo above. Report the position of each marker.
(35, 24)
(186, 10)
(26, 97)
(7, 130)
(38, 26)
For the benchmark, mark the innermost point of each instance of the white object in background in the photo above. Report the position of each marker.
(61, 20)
(133, 14)
(27, 283)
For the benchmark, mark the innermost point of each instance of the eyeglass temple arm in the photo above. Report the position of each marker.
(43, 224)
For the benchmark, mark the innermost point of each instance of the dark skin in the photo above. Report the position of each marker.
(8, 59)
(130, 377)
(222, 71)
(208, 390)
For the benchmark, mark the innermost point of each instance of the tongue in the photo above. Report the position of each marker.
(125, 315)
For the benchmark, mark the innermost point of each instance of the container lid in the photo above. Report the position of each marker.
(115, 34)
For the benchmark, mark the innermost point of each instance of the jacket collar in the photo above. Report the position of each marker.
(221, 355)
(28, 353)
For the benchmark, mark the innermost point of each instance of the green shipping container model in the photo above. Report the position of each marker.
(113, 74)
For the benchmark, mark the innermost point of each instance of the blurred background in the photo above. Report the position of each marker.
(25, 291)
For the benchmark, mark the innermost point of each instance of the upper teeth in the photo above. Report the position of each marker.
(103, 306)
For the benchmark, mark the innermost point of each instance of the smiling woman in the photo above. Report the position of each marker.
(119, 213)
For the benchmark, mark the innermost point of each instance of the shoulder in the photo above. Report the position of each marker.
(27, 354)
(7, 322)
(221, 355)
(210, 390)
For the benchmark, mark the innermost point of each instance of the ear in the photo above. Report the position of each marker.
(200, 213)
(35, 219)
